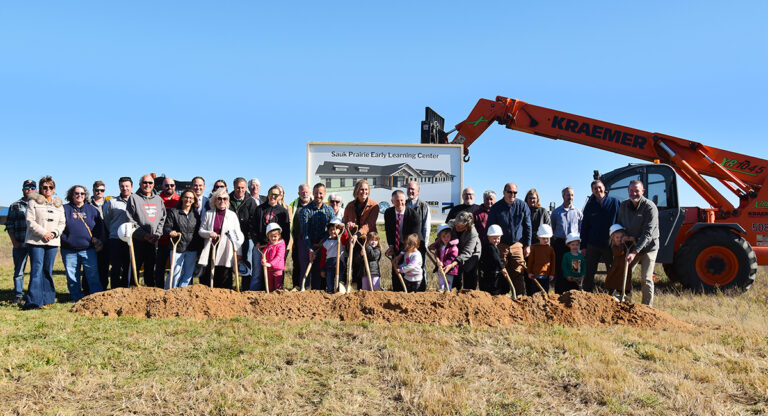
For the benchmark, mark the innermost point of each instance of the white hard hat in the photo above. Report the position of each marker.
(614, 228)
(272, 226)
(336, 221)
(572, 237)
(494, 230)
(443, 227)
(125, 231)
(545, 231)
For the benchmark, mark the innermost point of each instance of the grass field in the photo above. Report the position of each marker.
(55, 362)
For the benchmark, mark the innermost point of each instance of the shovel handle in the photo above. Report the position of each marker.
(440, 272)
(213, 260)
(367, 267)
(133, 262)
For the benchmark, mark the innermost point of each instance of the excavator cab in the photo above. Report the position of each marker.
(660, 183)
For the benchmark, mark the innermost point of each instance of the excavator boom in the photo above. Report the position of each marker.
(741, 174)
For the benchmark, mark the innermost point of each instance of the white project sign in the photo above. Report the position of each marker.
(437, 168)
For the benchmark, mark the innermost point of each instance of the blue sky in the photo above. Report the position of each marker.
(99, 90)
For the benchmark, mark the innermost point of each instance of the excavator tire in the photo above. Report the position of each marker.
(716, 258)
(669, 270)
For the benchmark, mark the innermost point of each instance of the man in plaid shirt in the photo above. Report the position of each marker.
(16, 226)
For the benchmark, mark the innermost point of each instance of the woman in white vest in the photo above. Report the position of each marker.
(45, 224)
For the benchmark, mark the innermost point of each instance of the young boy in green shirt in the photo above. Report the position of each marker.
(574, 268)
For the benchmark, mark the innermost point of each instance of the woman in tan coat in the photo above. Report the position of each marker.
(360, 217)
(45, 223)
(221, 226)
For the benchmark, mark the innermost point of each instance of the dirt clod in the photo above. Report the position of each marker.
(473, 308)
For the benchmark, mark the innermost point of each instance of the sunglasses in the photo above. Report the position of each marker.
(169, 185)
(274, 195)
(99, 190)
(335, 202)
(222, 199)
(147, 183)
(29, 188)
(511, 192)
(46, 187)
(78, 193)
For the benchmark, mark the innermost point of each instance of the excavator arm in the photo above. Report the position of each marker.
(741, 174)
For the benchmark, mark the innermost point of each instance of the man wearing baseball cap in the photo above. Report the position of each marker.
(16, 226)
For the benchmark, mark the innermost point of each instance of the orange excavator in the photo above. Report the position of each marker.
(703, 248)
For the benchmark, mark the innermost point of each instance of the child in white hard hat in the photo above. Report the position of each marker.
(446, 250)
(574, 264)
(615, 277)
(541, 262)
(494, 273)
(274, 257)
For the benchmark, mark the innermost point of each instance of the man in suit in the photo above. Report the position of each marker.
(399, 222)
(422, 210)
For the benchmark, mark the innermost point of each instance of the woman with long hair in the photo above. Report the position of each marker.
(45, 224)
(183, 223)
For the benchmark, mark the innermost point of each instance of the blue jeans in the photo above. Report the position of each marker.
(73, 261)
(183, 268)
(257, 278)
(41, 290)
(19, 263)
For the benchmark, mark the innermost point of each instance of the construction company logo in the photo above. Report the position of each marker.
(599, 132)
(761, 204)
(150, 210)
(478, 121)
(744, 167)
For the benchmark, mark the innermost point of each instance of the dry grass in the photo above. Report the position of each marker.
(54, 362)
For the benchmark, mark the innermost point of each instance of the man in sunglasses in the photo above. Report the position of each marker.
(243, 204)
(16, 226)
(147, 210)
(514, 218)
(102, 257)
(170, 200)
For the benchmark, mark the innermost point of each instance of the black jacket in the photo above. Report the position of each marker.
(264, 214)
(374, 255)
(244, 212)
(490, 261)
(187, 225)
(460, 208)
(411, 225)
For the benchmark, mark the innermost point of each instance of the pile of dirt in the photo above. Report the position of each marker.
(473, 308)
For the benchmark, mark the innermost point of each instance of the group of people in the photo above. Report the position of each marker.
(501, 246)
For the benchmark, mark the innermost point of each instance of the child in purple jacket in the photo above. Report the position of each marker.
(446, 251)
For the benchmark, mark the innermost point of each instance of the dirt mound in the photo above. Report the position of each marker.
(474, 308)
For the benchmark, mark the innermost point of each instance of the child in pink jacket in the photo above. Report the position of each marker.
(274, 257)
(447, 250)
